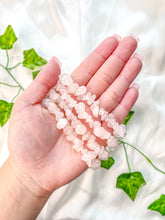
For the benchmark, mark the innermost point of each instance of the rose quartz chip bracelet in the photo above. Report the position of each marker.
(78, 114)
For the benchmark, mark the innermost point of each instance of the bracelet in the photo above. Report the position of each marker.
(78, 114)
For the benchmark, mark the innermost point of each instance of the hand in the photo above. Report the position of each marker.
(38, 150)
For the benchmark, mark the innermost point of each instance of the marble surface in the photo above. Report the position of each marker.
(70, 30)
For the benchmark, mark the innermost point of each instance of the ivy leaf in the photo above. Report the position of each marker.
(34, 73)
(130, 183)
(32, 59)
(158, 205)
(8, 38)
(107, 163)
(129, 116)
(5, 111)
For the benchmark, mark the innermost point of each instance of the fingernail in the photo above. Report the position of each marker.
(57, 60)
(135, 85)
(136, 38)
(140, 57)
(118, 37)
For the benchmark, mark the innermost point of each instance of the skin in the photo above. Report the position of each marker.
(41, 159)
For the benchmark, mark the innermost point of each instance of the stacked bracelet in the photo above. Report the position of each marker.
(78, 113)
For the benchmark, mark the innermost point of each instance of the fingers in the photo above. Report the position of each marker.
(45, 80)
(114, 93)
(123, 108)
(83, 73)
(107, 73)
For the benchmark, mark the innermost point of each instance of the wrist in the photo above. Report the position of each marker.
(25, 195)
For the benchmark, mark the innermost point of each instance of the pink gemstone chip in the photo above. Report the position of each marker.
(101, 133)
(95, 163)
(62, 122)
(66, 79)
(89, 155)
(81, 91)
(80, 129)
(72, 87)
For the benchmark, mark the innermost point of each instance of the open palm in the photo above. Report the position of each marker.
(41, 151)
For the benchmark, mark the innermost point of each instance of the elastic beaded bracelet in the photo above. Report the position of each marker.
(81, 130)
(68, 102)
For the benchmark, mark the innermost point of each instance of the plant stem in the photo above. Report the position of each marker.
(16, 95)
(13, 67)
(126, 155)
(147, 158)
(12, 76)
(2, 83)
(7, 55)
(14, 79)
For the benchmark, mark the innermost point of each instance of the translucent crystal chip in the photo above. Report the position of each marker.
(119, 131)
(68, 112)
(112, 142)
(91, 99)
(75, 122)
(112, 123)
(80, 106)
(54, 96)
(66, 79)
(101, 111)
(89, 155)
(78, 144)
(81, 90)
(96, 124)
(104, 116)
(91, 145)
(59, 115)
(72, 87)
(83, 151)
(68, 130)
(87, 96)
(92, 138)
(103, 154)
(60, 88)
(86, 136)
(62, 122)
(95, 104)
(62, 104)
(51, 106)
(82, 115)
(91, 123)
(97, 148)
(80, 129)
(88, 118)
(95, 111)
(95, 163)
(45, 102)
(101, 133)
(72, 103)
(71, 137)
(64, 96)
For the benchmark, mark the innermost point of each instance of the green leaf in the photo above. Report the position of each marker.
(130, 183)
(32, 59)
(158, 205)
(5, 111)
(107, 163)
(34, 73)
(8, 38)
(129, 116)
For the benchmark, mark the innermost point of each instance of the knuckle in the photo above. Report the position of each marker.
(106, 77)
(113, 96)
(84, 69)
(125, 78)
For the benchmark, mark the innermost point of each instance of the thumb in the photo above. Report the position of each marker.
(44, 81)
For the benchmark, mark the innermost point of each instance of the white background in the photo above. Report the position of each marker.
(70, 30)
